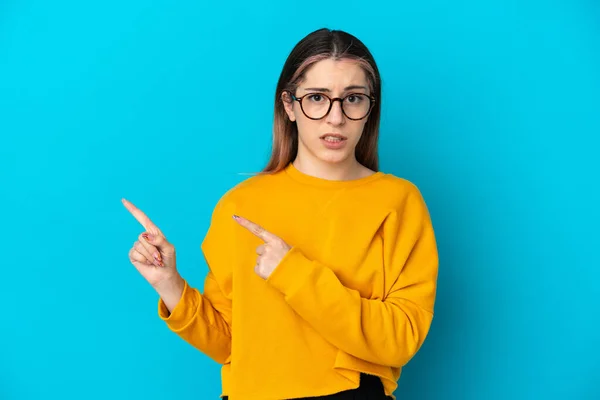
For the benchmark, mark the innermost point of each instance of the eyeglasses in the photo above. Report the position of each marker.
(355, 106)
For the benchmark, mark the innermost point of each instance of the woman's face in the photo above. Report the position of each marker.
(333, 138)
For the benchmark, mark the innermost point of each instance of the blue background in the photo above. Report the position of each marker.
(492, 108)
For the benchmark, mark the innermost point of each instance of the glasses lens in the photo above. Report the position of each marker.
(357, 106)
(315, 105)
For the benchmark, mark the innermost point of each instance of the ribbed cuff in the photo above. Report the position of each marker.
(184, 311)
(292, 273)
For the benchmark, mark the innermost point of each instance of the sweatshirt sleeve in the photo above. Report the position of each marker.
(204, 320)
(386, 331)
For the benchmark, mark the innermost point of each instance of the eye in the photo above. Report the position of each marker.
(316, 98)
(355, 98)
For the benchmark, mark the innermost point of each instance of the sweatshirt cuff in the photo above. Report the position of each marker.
(292, 273)
(183, 312)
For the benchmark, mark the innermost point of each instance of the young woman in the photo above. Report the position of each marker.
(322, 269)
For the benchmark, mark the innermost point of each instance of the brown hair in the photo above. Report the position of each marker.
(320, 45)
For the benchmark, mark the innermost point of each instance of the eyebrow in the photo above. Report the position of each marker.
(345, 89)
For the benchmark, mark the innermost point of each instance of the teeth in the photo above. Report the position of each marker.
(332, 139)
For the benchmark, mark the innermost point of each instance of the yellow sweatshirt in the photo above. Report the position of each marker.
(355, 293)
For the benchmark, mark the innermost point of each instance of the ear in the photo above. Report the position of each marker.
(288, 104)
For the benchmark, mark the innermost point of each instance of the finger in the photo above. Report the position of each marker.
(160, 242)
(148, 246)
(141, 217)
(256, 229)
(136, 256)
(146, 252)
(260, 250)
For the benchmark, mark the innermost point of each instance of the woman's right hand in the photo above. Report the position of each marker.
(151, 254)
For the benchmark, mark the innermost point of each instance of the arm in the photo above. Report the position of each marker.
(204, 320)
(388, 331)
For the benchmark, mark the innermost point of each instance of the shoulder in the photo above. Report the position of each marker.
(404, 205)
(398, 185)
(399, 192)
(253, 186)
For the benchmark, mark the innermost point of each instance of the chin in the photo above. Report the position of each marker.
(334, 158)
(329, 156)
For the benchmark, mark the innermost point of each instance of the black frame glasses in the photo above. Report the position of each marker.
(331, 101)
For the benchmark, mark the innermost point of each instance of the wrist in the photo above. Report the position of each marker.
(172, 282)
(170, 290)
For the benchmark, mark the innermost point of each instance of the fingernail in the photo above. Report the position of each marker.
(157, 257)
(236, 217)
(147, 236)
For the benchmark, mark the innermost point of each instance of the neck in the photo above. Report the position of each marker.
(346, 170)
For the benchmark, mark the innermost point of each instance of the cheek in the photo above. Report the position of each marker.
(358, 131)
(307, 128)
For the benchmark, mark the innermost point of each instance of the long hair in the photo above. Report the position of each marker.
(320, 45)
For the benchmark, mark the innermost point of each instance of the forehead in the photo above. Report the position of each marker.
(334, 74)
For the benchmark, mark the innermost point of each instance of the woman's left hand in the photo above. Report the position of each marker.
(270, 253)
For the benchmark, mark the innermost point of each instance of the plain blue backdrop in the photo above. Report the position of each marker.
(492, 108)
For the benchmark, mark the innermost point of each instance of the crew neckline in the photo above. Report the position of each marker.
(301, 177)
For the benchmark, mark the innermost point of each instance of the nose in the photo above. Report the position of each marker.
(336, 115)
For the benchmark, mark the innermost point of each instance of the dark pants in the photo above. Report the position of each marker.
(370, 388)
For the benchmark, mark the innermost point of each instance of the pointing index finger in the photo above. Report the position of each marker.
(141, 218)
(256, 229)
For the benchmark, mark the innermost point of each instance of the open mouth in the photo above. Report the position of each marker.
(333, 138)
(333, 141)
